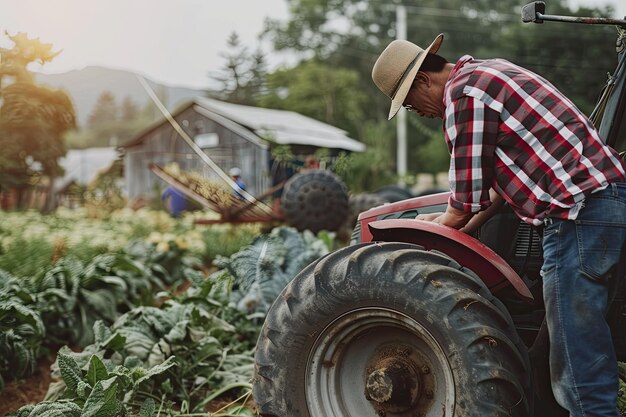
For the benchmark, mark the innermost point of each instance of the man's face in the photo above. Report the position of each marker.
(421, 98)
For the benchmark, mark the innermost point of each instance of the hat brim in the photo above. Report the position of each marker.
(405, 86)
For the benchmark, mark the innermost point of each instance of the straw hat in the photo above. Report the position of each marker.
(395, 69)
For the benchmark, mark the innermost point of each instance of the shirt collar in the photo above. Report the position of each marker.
(455, 70)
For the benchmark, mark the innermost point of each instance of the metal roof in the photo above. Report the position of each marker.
(282, 126)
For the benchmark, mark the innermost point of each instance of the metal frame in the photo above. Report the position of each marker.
(535, 13)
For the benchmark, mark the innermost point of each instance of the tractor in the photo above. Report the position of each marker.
(415, 319)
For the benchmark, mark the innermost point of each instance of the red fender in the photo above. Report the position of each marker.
(463, 248)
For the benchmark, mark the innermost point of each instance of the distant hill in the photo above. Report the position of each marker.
(85, 85)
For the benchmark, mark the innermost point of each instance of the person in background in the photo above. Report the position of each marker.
(235, 174)
(174, 200)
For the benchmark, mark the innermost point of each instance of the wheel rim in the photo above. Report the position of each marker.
(378, 362)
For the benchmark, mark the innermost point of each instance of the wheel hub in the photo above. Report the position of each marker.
(374, 362)
(395, 383)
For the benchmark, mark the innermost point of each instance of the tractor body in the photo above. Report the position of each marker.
(505, 252)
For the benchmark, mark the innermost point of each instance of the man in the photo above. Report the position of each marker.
(235, 174)
(510, 130)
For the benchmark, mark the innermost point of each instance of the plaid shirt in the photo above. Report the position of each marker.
(511, 130)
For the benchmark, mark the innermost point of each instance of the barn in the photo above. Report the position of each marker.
(232, 135)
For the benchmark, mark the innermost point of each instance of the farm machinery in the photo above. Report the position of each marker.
(313, 199)
(415, 319)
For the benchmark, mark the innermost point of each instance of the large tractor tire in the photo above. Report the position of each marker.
(315, 200)
(389, 330)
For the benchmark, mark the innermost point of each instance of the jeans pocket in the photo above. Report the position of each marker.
(599, 247)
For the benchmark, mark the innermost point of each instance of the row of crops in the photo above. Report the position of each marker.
(145, 315)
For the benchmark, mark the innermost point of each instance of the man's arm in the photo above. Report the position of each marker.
(482, 216)
(471, 131)
(469, 222)
(457, 216)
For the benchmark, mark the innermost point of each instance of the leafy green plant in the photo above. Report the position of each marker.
(166, 261)
(68, 298)
(138, 277)
(21, 330)
(262, 269)
(72, 296)
(226, 240)
(195, 348)
(26, 257)
(56, 409)
(209, 341)
(97, 387)
(204, 344)
(621, 393)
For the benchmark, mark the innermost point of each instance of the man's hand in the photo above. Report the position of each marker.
(458, 219)
(452, 217)
(428, 217)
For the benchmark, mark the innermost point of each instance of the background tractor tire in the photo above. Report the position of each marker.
(358, 203)
(315, 200)
(389, 329)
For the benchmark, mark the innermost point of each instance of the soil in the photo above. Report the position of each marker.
(26, 391)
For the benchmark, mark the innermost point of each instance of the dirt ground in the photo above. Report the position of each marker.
(29, 390)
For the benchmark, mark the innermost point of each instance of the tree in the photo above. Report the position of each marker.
(373, 168)
(33, 119)
(24, 51)
(351, 33)
(104, 130)
(316, 90)
(104, 111)
(576, 62)
(243, 76)
(129, 110)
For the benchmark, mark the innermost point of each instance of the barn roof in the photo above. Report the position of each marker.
(280, 126)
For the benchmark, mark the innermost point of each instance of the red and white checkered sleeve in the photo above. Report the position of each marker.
(471, 131)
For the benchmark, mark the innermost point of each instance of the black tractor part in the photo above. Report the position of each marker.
(393, 193)
(315, 200)
(390, 329)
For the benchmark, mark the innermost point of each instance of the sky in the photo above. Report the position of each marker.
(176, 42)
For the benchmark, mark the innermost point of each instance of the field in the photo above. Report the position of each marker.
(137, 314)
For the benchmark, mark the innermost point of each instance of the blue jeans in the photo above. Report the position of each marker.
(578, 256)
